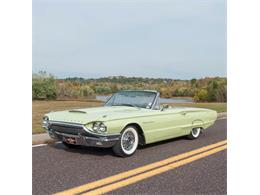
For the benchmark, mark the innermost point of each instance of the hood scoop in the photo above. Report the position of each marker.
(78, 111)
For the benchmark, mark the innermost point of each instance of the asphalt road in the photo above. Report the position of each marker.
(56, 168)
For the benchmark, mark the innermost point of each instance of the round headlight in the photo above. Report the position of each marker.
(99, 127)
(45, 122)
(102, 128)
(96, 126)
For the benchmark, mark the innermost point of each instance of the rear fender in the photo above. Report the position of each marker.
(197, 123)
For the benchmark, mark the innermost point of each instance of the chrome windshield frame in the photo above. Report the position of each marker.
(157, 96)
(155, 100)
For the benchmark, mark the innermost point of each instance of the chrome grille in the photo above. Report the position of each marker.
(68, 129)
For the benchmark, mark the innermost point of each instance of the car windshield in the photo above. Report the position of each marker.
(141, 99)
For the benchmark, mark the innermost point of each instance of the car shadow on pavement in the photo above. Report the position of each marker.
(96, 151)
(84, 150)
(161, 143)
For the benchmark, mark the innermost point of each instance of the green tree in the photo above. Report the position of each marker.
(193, 82)
(221, 93)
(103, 90)
(44, 87)
(201, 95)
(86, 91)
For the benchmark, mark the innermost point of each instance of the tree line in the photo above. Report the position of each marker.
(46, 87)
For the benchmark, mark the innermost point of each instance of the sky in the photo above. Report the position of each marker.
(148, 38)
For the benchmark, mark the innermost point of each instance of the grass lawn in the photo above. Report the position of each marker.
(39, 108)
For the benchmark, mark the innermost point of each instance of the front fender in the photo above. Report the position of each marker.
(116, 126)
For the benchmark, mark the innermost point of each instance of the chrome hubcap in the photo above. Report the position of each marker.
(128, 140)
(195, 132)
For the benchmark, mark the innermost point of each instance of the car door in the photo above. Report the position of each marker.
(166, 124)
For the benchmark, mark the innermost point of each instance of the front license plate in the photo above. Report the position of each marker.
(70, 140)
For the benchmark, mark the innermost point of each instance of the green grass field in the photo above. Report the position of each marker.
(39, 108)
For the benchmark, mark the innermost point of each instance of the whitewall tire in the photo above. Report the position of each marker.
(128, 142)
(195, 133)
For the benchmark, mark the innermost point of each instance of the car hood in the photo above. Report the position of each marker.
(107, 113)
(84, 116)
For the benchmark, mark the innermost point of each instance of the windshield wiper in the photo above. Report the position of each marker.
(125, 105)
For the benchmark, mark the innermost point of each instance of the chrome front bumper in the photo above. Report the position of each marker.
(85, 138)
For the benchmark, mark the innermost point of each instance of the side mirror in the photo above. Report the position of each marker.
(164, 106)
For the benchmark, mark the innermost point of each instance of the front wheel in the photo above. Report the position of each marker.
(128, 142)
(195, 133)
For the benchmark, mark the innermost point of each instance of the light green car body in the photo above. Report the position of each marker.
(154, 125)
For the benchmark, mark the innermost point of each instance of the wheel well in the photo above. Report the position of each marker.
(139, 131)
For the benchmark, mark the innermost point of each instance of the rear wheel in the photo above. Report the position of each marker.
(128, 142)
(195, 133)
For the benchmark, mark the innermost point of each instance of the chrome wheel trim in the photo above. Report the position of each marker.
(129, 141)
(195, 132)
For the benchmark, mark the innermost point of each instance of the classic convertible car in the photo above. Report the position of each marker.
(128, 119)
